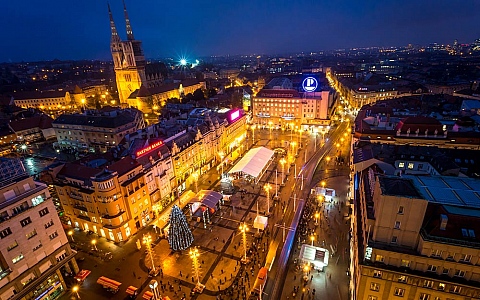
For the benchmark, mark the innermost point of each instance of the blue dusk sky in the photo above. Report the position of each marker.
(54, 29)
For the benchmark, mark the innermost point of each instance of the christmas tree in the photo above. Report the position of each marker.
(179, 235)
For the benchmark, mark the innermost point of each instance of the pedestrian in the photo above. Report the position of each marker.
(219, 288)
(134, 275)
(311, 278)
(294, 277)
(181, 274)
(193, 279)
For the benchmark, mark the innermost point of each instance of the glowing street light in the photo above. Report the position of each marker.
(222, 155)
(75, 290)
(293, 148)
(282, 162)
(147, 240)
(70, 233)
(270, 125)
(194, 256)
(244, 228)
(267, 187)
(312, 238)
(323, 184)
(195, 178)
(253, 133)
(94, 243)
(183, 62)
(317, 215)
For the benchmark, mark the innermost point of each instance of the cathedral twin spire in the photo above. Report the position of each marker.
(115, 37)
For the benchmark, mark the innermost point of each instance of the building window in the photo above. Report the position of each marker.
(31, 234)
(18, 258)
(401, 164)
(400, 210)
(441, 286)
(428, 284)
(394, 239)
(436, 253)
(374, 286)
(455, 289)
(445, 271)
(397, 225)
(43, 212)
(402, 278)
(49, 224)
(432, 268)
(53, 235)
(466, 258)
(37, 247)
(399, 292)
(25, 222)
(12, 246)
(379, 258)
(410, 166)
(377, 274)
(6, 232)
(370, 297)
(405, 263)
(424, 296)
(459, 273)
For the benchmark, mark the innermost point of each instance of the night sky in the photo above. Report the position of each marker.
(45, 30)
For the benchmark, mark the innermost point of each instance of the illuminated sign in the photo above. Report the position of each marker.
(149, 148)
(310, 84)
(234, 115)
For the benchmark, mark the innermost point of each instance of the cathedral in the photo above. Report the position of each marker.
(131, 70)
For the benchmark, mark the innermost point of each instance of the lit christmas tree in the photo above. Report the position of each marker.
(179, 235)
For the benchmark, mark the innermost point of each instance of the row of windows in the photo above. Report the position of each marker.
(400, 292)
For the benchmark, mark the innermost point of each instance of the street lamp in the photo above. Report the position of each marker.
(323, 184)
(243, 228)
(282, 162)
(147, 240)
(293, 148)
(267, 188)
(253, 133)
(315, 132)
(75, 290)
(195, 178)
(270, 124)
(312, 238)
(70, 233)
(317, 215)
(194, 256)
(222, 155)
(94, 243)
(328, 159)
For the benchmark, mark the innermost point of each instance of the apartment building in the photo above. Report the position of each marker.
(35, 251)
(114, 198)
(96, 130)
(415, 237)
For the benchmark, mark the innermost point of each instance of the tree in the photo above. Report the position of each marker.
(179, 235)
(198, 95)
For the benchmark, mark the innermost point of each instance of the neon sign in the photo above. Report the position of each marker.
(235, 115)
(149, 148)
(310, 84)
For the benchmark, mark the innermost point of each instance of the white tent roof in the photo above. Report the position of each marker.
(253, 162)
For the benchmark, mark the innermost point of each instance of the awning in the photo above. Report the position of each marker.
(131, 290)
(147, 295)
(82, 275)
(254, 162)
(107, 282)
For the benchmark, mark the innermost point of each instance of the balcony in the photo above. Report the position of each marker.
(80, 207)
(121, 212)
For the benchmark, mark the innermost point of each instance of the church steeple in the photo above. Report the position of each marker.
(127, 22)
(115, 38)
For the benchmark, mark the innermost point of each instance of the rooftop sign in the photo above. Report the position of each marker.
(149, 148)
(310, 84)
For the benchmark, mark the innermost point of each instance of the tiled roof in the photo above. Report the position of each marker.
(123, 166)
(42, 122)
(104, 121)
(38, 95)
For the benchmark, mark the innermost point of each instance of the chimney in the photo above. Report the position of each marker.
(443, 222)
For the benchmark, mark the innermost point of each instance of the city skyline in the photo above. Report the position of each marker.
(193, 30)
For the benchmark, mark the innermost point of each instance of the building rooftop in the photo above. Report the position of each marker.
(11, 169)
(458, 191)
(104, 119)
(398, 186)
